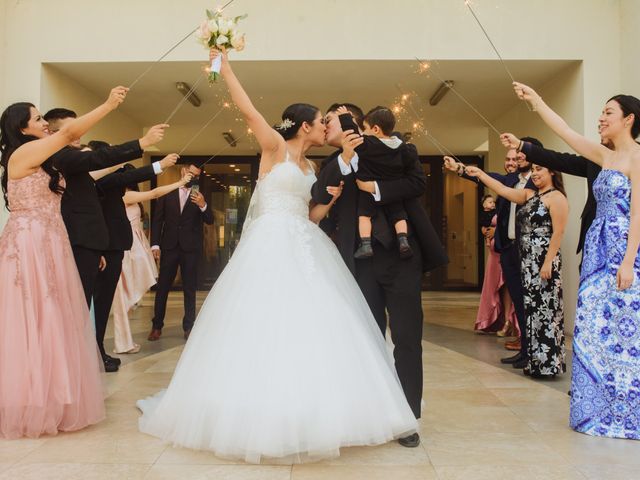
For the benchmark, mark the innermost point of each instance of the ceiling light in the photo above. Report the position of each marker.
(236, 169)
(232, 165)
(231, 140)
(441, 92)
(191, 96)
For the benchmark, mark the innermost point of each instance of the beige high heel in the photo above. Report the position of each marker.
(507, 330)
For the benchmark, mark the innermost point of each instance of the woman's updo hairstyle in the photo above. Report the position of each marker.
(629, 104)
(293, 117)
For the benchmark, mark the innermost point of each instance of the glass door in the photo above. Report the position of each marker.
(227, 184)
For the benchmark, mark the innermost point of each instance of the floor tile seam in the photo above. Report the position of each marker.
(481, 362)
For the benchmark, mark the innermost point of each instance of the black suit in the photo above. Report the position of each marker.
(111, 189)
(509, 252)
(387, 281)
(179, 236)
(573, 165)
(81, 208)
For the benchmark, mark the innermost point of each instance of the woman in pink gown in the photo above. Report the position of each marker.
(494, 300)
(139, 271)
(49, 364)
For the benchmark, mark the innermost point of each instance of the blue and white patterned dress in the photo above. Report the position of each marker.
(605, 382)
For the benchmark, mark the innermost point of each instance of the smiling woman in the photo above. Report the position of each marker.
(49, 362)
(542, 221)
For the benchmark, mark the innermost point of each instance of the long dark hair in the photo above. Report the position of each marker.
(293, 117)
(629, 105)
(558, 182)
(13, 120)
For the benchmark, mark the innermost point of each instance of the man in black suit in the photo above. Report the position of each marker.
(565, 163)
(111, 189)
(506, 243)
(176, 239)
(389, 283)
(81, 209)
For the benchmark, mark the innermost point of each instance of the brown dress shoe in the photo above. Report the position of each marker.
(154, 335)
(513, 345)
(186, 334)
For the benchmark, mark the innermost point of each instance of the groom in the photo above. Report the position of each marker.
(390, 284)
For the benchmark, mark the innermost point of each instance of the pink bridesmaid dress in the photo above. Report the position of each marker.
(50, 378)
(490, 317)
(139, 274)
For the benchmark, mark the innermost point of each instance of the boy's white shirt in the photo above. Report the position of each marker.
(346, 169)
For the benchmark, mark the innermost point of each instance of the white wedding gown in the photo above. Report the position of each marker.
(285, 361)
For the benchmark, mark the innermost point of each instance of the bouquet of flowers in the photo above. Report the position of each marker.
(219, 32)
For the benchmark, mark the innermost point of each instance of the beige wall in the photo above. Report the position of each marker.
(3, 50)
(629, 43)
(61, 91)
(3, 70)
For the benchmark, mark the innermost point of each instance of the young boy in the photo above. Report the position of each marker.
(380, 158)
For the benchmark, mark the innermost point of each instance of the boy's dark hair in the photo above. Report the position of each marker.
(355, 111)
(59, 114)
(381, 117)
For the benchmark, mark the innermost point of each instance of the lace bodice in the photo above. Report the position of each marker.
(31, 195)
(286, 189)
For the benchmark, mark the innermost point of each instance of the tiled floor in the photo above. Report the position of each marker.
(481, 421)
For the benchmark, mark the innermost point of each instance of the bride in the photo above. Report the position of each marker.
(285, 361)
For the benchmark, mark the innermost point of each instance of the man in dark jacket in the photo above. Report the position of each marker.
(389, 283)
(81, 208)
(111, 189)
(176, 239)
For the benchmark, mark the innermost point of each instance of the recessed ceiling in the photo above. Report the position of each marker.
(273, 85)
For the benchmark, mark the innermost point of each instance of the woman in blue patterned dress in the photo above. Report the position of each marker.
(605, 383)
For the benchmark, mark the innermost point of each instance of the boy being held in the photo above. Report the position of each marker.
(380, 158)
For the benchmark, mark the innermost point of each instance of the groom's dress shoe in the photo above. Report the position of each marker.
(521, 363)
(411, 441)
(115, 360)
(110, 366)
(518, 356)
(154, 335)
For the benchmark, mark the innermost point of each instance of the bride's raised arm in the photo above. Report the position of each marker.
(270, 141)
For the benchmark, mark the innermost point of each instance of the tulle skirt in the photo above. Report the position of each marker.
(285, 360)
(50, 376)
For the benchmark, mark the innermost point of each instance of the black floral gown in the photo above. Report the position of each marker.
(543, 303)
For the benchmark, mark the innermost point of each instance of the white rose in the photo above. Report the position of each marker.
(224, 26)
(222, 39)
(213, 26)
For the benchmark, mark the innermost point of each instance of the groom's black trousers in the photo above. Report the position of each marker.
(395, 284)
